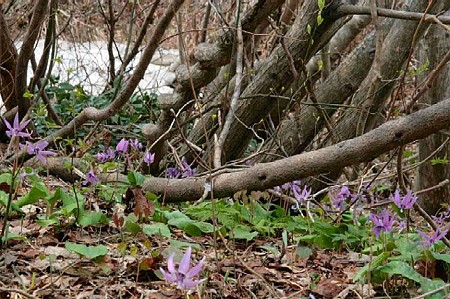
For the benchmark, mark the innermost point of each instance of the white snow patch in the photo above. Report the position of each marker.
(86, 64)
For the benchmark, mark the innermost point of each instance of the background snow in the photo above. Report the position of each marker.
(86, 64)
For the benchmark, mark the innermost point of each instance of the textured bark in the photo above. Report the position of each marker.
(277, 73)
(8, 57)
(26, 51)
(435, 44)
(373, 93)
(208, 58)
(266, 175)
(294, 134)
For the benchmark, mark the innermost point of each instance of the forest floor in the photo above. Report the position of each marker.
(119, 261)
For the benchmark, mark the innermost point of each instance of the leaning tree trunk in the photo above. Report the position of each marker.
(435, 45)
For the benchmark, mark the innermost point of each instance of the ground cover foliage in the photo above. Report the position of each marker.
(303, 152)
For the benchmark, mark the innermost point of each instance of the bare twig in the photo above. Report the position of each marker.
(344, 10)
(218, 146)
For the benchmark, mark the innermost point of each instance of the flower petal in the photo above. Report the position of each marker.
(170, 264)
(168, 276)
(185, 262)
(194, 271)
(188, 284)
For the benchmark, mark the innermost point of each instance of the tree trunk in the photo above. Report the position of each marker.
(434, 46)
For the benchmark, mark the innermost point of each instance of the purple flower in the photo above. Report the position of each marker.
(101, 157)
(17, 128)
(37, 149)
(184, 275)
(383, 222)
(339, 200)
(91, 178)
(173, 172)
(136, 144)
(106, 156)
(149, 158)
(344, 193)
(407, 202)
(187, 171)
(122, 146)
(430, 240)
(303, 195)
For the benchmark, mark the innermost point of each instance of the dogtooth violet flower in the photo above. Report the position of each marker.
(383, 222)
(406, 202)
(91, 178)
(109, 155)
(17, 128)
(429, 240)
(136, 144)
(37, 149)
(149, 158)
(122, 146)
(184, 275)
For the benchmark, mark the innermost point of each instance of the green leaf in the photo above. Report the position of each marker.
(158, 229)
(321, 4)
(174, 215)
(38, 191)
(11, 236)
(243, 232)
(135, 178)
(319, 20)
(371, 266)
(192, 230)
(429, 285)
(403, 269)
(90, 252)
(48, 221)
(92, 218)
(59, 194)
(303, 252)
(72, 203)
(182, 245)
(7, 178)
(441, 256)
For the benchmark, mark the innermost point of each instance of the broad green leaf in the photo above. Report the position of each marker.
(7, 178)
(429, 285)
(174, 215)
(403, 269)
(59, 194)
(441, 256)
(11, 236)
(371, 266)
(183, 245)
(132, 227)
(48, 221)
(192, 230)
(92, 218)
(90, 252)
(135, 178)
(72, 203)
(38, 191)
(156, 229)
(243, 232)
(303, 252)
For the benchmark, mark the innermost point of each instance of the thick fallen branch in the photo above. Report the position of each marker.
(265, 175)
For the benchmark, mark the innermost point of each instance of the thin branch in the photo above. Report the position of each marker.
(218, 146)
(345, 10)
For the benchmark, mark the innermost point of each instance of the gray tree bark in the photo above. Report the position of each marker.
(434, 46)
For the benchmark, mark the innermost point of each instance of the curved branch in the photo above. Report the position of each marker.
(345, 10)
(266, 175)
